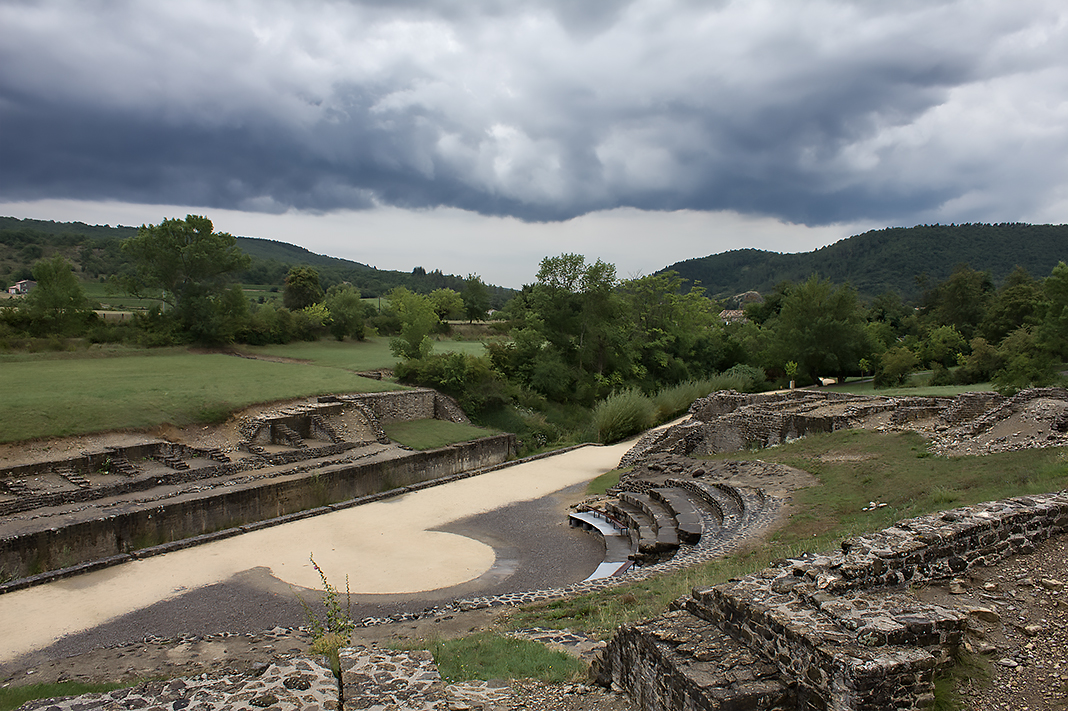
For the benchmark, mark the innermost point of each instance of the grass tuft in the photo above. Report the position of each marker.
(11, 697)
(623, 414)
(486, 655)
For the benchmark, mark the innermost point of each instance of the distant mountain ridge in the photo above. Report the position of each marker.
(292, 254)
(94, 249)
(889, 259)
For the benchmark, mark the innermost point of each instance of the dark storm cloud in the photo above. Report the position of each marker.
(812, 112)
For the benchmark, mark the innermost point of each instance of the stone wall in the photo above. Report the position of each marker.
(140, 526)
(840, 627)
(414, 404)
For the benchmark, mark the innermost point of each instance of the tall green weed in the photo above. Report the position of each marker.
(623, 414)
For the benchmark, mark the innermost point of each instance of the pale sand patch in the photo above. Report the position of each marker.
(384, 547)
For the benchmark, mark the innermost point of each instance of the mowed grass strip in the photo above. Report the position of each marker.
(59, 397)
(431, 434)
(12, 697)
(370, 354)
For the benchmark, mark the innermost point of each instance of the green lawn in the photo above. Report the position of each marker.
(15, 696)
(370, 354)
(918, 387)
(110, 298)
(50, 396)
(431, 434)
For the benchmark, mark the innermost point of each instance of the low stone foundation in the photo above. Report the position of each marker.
(839, 629)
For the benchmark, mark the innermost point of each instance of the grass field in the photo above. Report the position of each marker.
(110, 298)
(918, 387)
(370, 354)
(431, 434)
(65, 394)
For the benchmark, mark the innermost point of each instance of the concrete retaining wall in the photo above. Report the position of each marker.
(142, 526)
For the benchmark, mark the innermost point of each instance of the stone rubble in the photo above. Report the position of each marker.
(839, 627)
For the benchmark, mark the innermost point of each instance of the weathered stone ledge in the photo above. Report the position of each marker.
(839, 627)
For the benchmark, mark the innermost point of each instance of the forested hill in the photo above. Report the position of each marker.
(889, 259)
(94, 251)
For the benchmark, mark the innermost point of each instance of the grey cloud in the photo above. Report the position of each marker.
(812, 112)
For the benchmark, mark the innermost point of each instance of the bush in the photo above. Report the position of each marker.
(1025, 364)
(623, 414)
(469, 379)
(894, 367)
(678, 398)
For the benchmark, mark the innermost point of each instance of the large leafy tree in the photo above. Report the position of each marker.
(302, 288)
(1017, 303)
(821, 328)
(347, 311)
(674, 336)
(191, 266)
(960, 301)
(476, 298)
(417, 317)
(57, 304)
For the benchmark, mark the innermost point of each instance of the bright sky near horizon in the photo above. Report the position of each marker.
(478, 136)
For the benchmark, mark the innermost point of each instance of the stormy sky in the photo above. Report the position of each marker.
(481, 135)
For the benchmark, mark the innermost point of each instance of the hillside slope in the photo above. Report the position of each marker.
(888, 259)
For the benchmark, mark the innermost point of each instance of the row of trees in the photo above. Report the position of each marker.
(579, 333)
(192, 270)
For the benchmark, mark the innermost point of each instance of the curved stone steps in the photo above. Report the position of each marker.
(640, 526)
(689, 524)
(618, 548)
(667, 539)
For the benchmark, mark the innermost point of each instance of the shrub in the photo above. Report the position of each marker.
(623, 414)
(678, 398)
(1025, 364)
(469, 379)
(894, 367)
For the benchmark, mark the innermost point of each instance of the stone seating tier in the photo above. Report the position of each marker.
(838, 635)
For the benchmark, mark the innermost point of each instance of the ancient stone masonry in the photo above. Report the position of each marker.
(840, 628)
(971, 423)
(64, 517)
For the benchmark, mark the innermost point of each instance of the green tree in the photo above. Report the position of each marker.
(960, 301)
(673, 335)
(476, 298)
(1025, 363)
(347, 312)
(820, 327)
(57, 304)
(448, 304)
(302, 288)
(1019, 302)
(417, 318)
(894, 367)
(1053, 331)
(192, 266)
(942, 345)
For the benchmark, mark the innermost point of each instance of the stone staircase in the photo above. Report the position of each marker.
(283, 433)
(832, 631)
(122, 466)
(665, 515)
(173, 461)
(74, 477)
